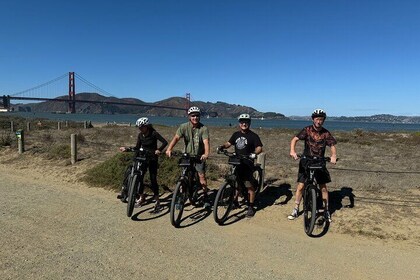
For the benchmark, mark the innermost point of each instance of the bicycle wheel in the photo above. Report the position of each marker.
(132, 193)
(223, 203)
(177, 203)
(309, 209)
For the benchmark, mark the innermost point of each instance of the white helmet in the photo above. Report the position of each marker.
(319, 113)
(244, 117)
(194, 109)
(142, 122)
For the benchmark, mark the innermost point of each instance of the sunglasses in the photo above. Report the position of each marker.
(195, 116)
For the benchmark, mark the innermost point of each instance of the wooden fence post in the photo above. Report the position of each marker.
(21, 141)
(73, 148)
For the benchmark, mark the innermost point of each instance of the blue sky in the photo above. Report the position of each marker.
(351, 58)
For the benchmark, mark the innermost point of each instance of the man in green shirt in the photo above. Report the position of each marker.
(197, 143)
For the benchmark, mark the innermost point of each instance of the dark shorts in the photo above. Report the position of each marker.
(322, 176)
(245, 175)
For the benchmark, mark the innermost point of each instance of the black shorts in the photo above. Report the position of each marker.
(322, 176)
(245, 175)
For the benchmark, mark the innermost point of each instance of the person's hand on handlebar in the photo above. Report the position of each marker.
(294, 155)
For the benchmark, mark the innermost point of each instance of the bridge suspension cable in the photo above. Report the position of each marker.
(40, 86)
(100, 90)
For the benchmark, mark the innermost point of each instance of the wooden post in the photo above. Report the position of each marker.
(59, 125)
(73, 148)
(85, 124)
(21, 141)
(261, 162)
(28, 126)
(12, 126)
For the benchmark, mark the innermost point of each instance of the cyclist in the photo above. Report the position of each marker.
(197, 143)
(148, 139)
(316, 138)
(246, 142)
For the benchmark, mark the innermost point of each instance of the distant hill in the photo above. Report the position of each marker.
(218, 109)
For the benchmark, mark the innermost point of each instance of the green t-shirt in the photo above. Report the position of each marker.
(193, 137)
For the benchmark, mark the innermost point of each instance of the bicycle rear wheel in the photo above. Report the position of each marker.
(309, 209)
(132, 193)
(223, 203)
(179, 198)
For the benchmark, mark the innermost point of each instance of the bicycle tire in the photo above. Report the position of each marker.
(194, 196)
(178, 200)
(223, 203)
(309, 209)
(132, 193)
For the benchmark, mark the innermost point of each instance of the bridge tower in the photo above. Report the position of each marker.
(187, 101)
(72, 94)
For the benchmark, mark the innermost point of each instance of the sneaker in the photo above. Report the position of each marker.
(139, 203)
(206, 203)
(294, 214)
(236, 204)
(250, 212)
(327, 216)
(157, 207)
(122, 197)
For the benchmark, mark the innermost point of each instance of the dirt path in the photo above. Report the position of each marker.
(55, 230)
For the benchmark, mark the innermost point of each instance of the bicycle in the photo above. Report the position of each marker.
(312, 198)
(135, 178)
(228, 192)
(187, 187)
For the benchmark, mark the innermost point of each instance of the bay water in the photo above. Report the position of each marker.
(331, 125)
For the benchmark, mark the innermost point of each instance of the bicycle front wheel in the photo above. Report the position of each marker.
(309, 209)
(132, 193)
(223, 203)
(179, 198)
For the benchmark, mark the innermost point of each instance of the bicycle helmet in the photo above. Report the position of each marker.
(194, 109)
(319, 113)
(244, 117)
(142, 122)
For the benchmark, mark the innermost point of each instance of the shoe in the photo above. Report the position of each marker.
(250, 212)
(206, 203)
(122, 197)
(294, 214)
(156, 209)
(236, 204)
(139, 203)
(327, 216)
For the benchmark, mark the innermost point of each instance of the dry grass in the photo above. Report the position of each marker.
(381, 171)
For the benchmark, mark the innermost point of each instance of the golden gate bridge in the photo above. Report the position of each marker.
(49, 89)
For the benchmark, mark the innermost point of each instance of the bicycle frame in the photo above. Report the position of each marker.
(312, 192)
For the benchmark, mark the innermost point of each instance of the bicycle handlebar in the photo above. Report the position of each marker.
(233, 154)
(322, 159)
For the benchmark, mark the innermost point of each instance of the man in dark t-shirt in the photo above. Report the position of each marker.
(316, 138)
(246, 142)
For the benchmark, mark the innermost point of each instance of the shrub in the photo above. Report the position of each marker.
(109, 174)
(59, 151)
(5, 139)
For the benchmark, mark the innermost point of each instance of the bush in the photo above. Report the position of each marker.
(6, 139)
(109, 174)
(59, 151)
